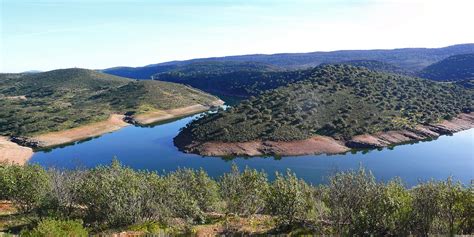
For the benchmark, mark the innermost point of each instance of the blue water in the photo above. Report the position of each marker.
(152, 148)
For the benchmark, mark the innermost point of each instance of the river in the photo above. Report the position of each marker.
(152, 148)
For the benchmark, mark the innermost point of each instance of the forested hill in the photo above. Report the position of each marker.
(375, 66)
(139, 72)
(335, 100)
(409, 59)
(66, 98)
(237, 79)
(454, 68)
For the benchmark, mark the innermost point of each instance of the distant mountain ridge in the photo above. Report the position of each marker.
(409, 59)
(455, 68)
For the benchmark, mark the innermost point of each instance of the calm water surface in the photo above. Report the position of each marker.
(152, 148)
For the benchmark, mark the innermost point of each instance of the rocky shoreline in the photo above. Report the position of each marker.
(324, 144)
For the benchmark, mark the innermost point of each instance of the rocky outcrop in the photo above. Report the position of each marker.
(324, 144)
(26, 141)
(420, 132)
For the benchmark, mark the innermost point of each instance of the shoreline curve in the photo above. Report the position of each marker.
(325, 144)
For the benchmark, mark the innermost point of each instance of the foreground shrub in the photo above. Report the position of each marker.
(359, 206)
(425, 206)
(57, 228)
(27, 187)
(290, 199)
(244, 192)
(113, 195)
(191, 193)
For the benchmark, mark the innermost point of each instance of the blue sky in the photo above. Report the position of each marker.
(51, 34)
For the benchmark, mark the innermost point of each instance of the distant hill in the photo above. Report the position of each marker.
(239, 79)
(66, 98)
(334, 100)
(375, 66)
(466, 83)
(454, 68)
(139, 72)
(245, 79)
(409, 59)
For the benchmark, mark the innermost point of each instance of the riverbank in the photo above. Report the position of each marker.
(114, 123)
(325, 144)
(162, 115)
(11, 152)
(19, 151)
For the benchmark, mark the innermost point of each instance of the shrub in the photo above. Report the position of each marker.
(244, 193)
(113, 195)
(191, 193)
(57, 228)
(27, 186)
(290, 199)
(358, 205)
(426, 207)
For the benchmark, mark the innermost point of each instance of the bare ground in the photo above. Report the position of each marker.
(115, 122)
(314, 145)
(161, 115)
(11, 152)
(327, 145)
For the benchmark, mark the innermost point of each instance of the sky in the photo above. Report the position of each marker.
(51, 34)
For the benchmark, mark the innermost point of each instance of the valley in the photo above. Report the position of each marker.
(236, 118)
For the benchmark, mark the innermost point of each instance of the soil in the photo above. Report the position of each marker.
(11, 152)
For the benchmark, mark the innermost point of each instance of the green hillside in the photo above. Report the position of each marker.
(336, 100)
(67, 98)
(237, 79)
(454, 68)
(375, 66)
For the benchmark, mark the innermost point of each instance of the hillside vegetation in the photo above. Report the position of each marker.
(409, 59)
(238, 79)
(139, 72)
(375, 66)
(66, 98)
(454, 68)
(241, 202)
(335, 100)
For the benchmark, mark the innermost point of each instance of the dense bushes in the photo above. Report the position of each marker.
(352, 203)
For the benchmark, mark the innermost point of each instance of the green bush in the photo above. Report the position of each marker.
(114, 195)
(191, 194)
(27, 187)
(425, 206)
(244, 192)
(358, 205)
(290, 199)
(57, 228)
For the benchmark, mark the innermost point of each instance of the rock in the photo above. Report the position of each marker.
(25, 141)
